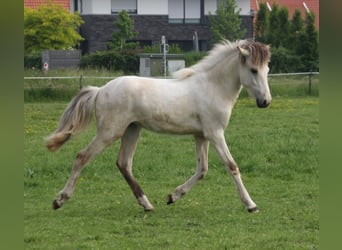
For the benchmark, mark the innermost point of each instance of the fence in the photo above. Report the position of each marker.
(309, 74)
(82, 78)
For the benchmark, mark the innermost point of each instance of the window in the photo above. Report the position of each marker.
(128, 5)
(184, 11)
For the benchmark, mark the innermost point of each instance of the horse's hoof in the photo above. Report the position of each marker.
(253, 210)
(170, 199)
(149, 209)
(56, 204)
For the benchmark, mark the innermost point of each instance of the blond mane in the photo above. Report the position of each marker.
(260, 55)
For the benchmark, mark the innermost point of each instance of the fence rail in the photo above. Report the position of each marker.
(81, 77)
(310, 74)
(295, 74)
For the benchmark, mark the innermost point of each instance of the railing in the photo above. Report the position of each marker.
(81, 77)
(309, 74)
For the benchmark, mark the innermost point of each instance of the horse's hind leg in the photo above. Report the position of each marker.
(82, 158)
(125, 161)
(202, 168)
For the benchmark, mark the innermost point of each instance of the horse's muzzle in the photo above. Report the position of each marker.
(262, 103)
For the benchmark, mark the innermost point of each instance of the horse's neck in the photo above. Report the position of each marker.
(226, 77)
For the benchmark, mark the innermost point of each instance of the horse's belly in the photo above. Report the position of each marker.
(163, 123)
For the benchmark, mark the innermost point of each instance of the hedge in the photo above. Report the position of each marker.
(285, 61)
(127, 63)
(282, 61)
(33, 61)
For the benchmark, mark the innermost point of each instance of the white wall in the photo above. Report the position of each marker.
(152, 7)
(96, 7)
(245, 6)
(101, 6)
(87, 7)
(210, 6)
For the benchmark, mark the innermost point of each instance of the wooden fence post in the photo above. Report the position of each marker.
(310, 83)
(81, 77)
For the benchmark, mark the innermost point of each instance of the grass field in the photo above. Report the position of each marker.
(277, 152)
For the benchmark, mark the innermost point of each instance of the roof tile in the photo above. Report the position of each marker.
(34, 4)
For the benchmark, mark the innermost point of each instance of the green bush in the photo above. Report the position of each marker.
(114, 61)
(193, 57)
(173, 49)
(284, 61)
(33, 61)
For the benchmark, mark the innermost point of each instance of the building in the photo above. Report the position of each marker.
(177, 20)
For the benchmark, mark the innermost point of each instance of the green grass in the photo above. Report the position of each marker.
(275, 148)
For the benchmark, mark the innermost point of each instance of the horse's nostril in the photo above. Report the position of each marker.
(262, 103)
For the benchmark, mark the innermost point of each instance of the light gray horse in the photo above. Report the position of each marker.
(198, 101)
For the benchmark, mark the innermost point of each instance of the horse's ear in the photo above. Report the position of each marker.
(243, 51)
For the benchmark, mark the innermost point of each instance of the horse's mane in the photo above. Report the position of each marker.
(260, 55)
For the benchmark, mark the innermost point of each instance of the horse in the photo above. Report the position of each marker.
(197, 101)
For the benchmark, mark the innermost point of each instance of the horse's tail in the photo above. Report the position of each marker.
(76, 118)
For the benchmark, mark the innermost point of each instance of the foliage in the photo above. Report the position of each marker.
(296, 29)
(279, 165)
(33, 61)
(226, 24)
(308, 47)
(119, 39)
(111, 60)
(50, 27)
(294, 43)
(173, 49)
(262, 23)
(284, 61)
(193, 57)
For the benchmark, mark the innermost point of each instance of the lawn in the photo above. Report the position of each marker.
(277, 153)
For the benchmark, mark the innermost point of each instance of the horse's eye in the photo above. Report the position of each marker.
(254, 71)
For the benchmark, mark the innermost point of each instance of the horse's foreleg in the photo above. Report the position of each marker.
(82, 158)
(202, 168)
(222, 150)
(125, 161)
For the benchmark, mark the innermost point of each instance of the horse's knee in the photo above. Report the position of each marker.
(233, 168)
(122, 166)
(82, 158)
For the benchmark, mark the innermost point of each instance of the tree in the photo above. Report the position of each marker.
(294, 44)
(119, 39)
(296, 30)
(262, 23)
(272, 34)
(284, 27)
(226, 24)
(50, 27)
(308, 48)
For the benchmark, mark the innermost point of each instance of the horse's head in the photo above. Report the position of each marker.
(254, 58)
